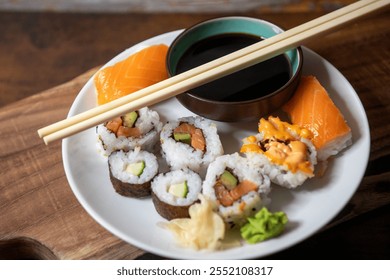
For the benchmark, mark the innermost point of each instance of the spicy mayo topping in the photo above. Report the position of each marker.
(275, 128)
(281, 144)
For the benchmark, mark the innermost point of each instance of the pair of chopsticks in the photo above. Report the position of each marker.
(208, 72)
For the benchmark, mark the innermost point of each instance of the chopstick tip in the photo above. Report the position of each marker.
(40, 134)
(46, 141)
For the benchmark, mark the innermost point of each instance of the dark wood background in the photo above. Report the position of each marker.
(41, 58)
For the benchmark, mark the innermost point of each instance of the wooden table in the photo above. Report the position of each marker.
(45, 60)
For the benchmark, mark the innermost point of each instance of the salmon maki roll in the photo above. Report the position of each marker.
(312, 108)
(238, 189)
(139, 128)
(190, 142)
(140, 70)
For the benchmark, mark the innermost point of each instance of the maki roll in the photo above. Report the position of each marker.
(190, 142)
(282, 151)
(238, 189)
(135, 129)
(131, 172)
(174, 192)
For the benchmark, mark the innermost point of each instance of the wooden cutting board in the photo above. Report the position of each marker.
(40, 217)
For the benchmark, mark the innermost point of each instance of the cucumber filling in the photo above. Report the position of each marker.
(179, 190)
(136, 168)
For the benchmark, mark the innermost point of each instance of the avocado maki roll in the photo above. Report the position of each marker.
(238, 189)
(190, 142)
(131, 172)
(135, 129)
(174, 192)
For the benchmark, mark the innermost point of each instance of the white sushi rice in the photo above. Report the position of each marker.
(119, 160)
(334, 147)
(280, 174)
(148, 123)
(181, 155)
(163, 181)
(241, 168)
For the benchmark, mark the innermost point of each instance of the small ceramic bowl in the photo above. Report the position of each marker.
(237, 110)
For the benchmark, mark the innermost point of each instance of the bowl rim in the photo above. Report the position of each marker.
(286, 85)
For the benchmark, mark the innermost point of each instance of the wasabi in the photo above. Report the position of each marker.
(263, 225)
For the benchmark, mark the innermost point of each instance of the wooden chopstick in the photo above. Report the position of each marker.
(210, 71)
(297, 30)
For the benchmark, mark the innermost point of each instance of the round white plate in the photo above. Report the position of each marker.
(309, 208)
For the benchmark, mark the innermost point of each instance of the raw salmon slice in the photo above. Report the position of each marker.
(312, 108)
(227, 198)
(138, 71)
(223, 195)
(197, 140)
(185, 128)
(242, 189)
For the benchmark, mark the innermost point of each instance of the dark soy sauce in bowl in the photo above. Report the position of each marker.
(250, 83)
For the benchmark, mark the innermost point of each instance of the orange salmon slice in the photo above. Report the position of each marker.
(197, 140)
(312, 108)
(185, 128)
(227, 198)
(242, 188)
(138, 71)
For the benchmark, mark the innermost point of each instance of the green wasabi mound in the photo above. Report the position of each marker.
(264, 225)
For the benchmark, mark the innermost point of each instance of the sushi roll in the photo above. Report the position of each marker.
(135, 129)
(190, 142)
(131, 172)
(174, 192)
(238, 189)
(282, 151)
(312, 108)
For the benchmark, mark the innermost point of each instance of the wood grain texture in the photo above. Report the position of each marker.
(43, 50)
(171, 6)
(39, 215)
(35, 200)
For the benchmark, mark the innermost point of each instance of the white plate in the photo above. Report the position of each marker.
(309, 208)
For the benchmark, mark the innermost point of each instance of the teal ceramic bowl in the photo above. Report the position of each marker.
(254, 104)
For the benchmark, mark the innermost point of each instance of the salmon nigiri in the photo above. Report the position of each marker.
(138, 71)
(312, 108)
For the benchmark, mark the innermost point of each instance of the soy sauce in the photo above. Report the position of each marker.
(250, 83)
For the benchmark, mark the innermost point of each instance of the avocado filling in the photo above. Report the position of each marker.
(136, 168)
(228, 180)
(179, 190)
(182, 137)
(129, 119)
